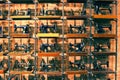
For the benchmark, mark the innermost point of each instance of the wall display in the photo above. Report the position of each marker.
(58, 39)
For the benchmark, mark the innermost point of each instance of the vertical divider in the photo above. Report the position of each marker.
(63, 67)
(35, 39)
(9, 49)
(90, 39)
(116, 56)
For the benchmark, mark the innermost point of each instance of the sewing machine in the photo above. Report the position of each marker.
(77, 29)
(22, 12)
(48, 29)
(101, 28)
(25, 28)
(102, 8)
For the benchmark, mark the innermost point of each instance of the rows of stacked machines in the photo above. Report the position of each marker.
(78, 46)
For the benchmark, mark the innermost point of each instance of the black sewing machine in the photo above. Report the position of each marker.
(100, 65)
(3, 47)
(101, 28)
(25, 28)
(102, 8)
(100, 47)
(48, 29)
(77, 65)
(27, 66)
(77, 29)
(50, 47)
(22, 12)
(75, 13)
(77, 47)
(53, 65)
(56, 11)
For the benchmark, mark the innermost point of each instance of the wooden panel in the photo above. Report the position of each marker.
(77, 72)
(20, 17)
(47, 35)
(49, 17)
(19, 35)
(50, 73)
(20, 53)
(49, 54)
(78, 54)
(105, 16)
(76, 35)
(104, 36)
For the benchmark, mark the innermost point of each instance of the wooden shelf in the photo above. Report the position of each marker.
(77, 72)
(76, 35)
(50, 73)
(104, 36)
(47, 54)
(76, 1)
(104, 53)
(49, 17)
(78, 54)
(104, 16)
(19, 53)
(20, 72)
(20, 17)
(20, 35)
(48, 35)
(77, 17)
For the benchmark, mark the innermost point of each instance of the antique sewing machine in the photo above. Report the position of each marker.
(50, 47)
(101, 45)
(101, 64)
(56, 11)
(54, 47)
(22, 47)
(77, 29)
(77, 65)
(27, 66)
(77, 47)
(25, 28)
(48, 29)
(3, 46)
(53, 65)
(102, 8)
(101, 27)
(22, 12)
(79, 12)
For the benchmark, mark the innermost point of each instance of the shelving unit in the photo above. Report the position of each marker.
(67, 35)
